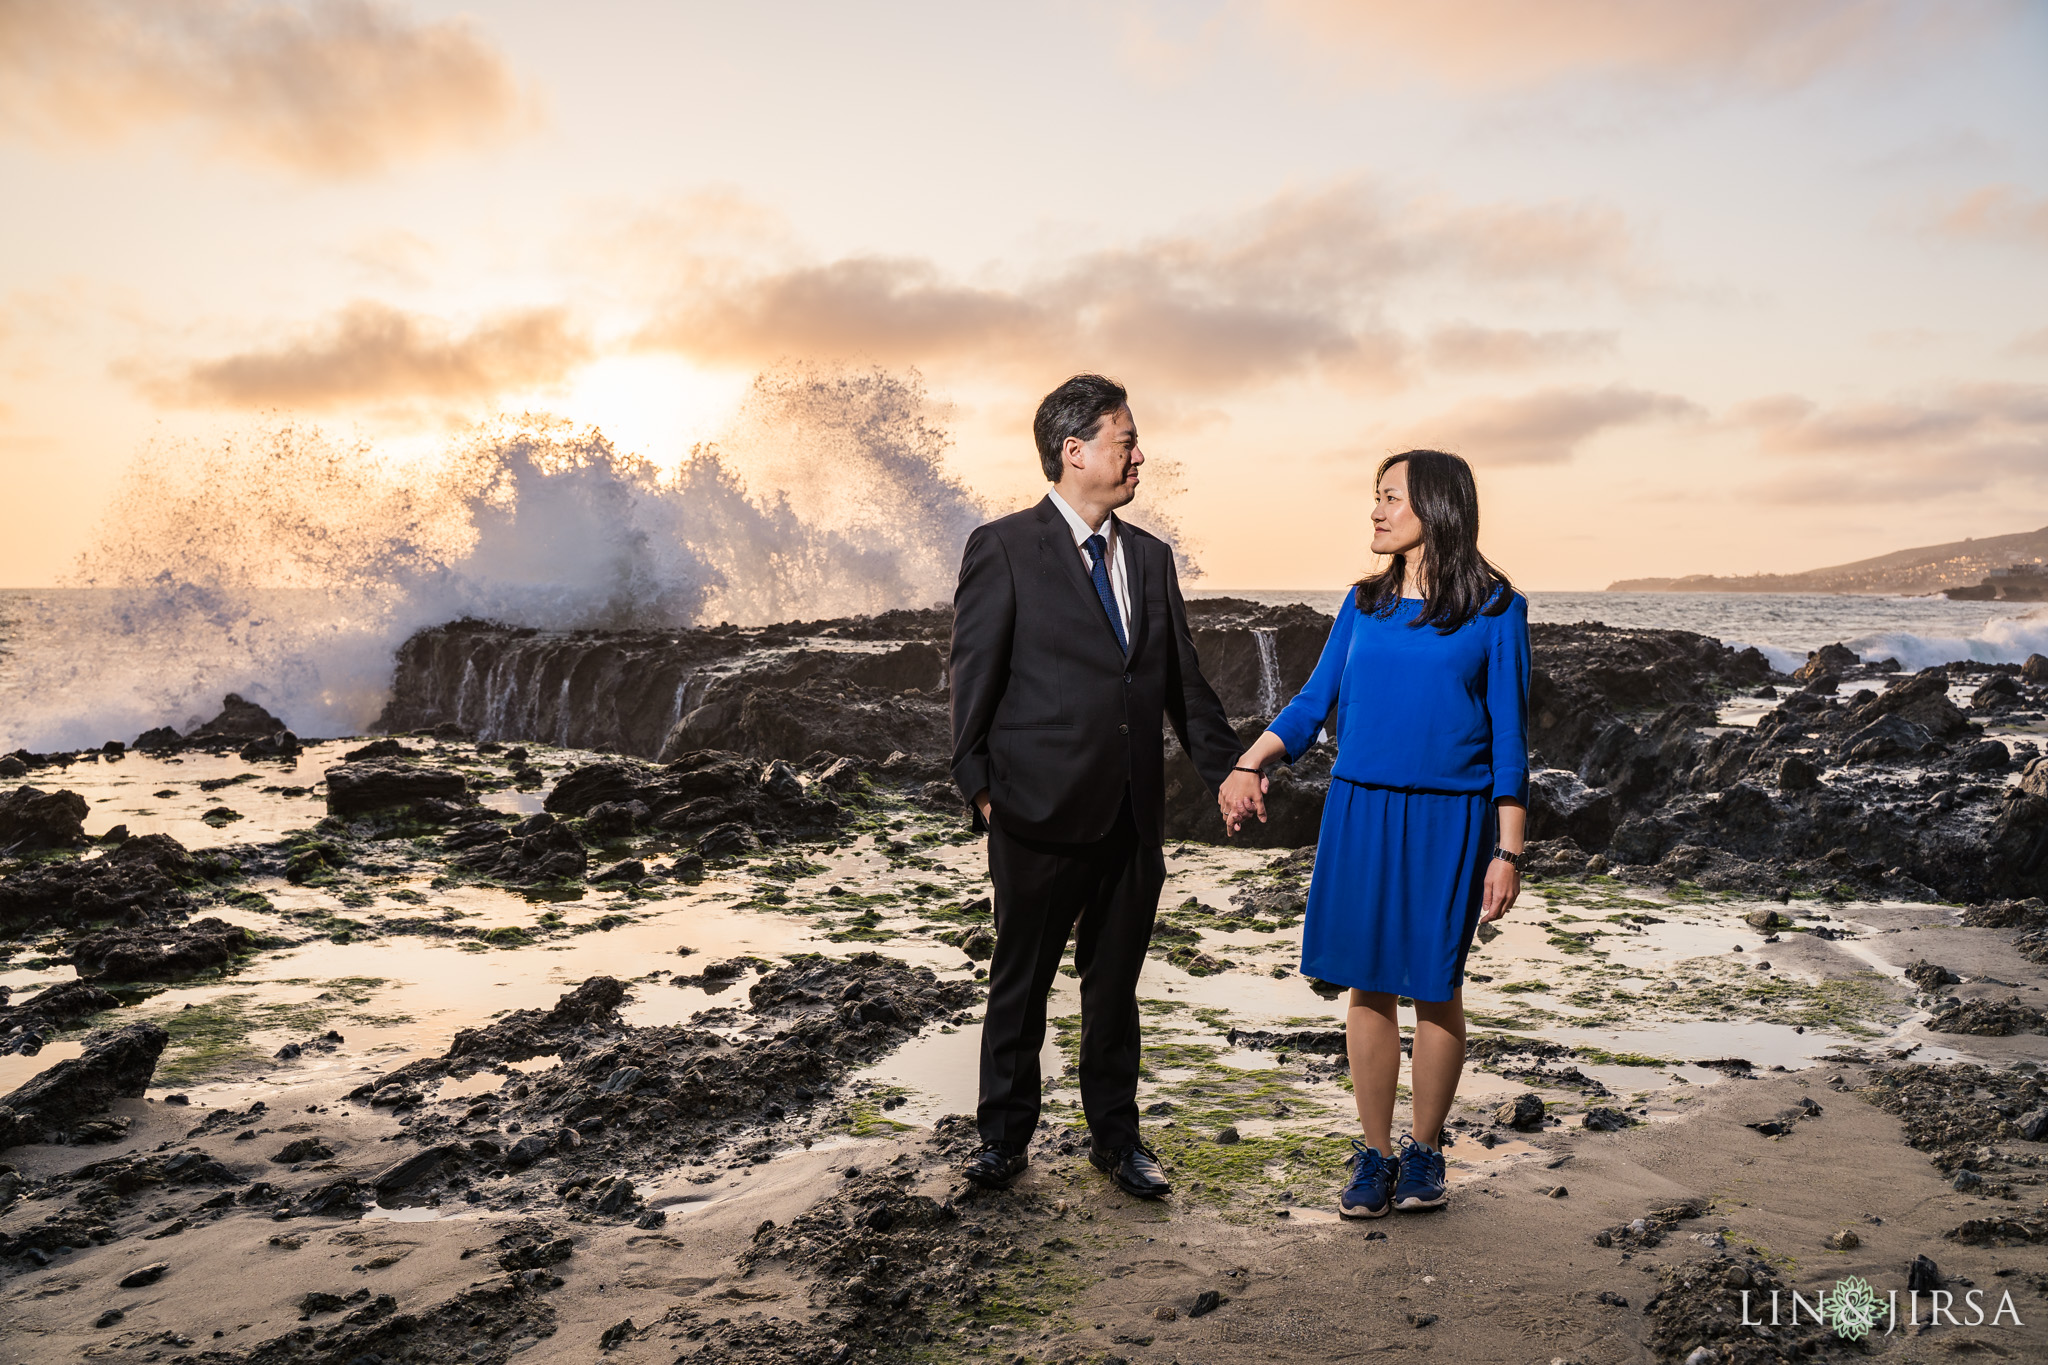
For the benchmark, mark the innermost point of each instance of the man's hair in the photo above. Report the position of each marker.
(1076, 408)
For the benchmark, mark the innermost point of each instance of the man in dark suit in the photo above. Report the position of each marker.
(1070, 652)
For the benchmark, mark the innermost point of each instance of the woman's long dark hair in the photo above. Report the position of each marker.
(1462, 584)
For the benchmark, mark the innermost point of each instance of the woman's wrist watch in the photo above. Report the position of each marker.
(1513, 860)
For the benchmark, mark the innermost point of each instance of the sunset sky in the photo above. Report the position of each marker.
(1697, 285)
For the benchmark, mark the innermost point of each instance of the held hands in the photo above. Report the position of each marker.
(1241, 795)
(1244, 793)
(981, 804)
(1503, 885)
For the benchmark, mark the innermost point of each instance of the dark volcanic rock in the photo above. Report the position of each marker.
(1251, 679)
(1929, 977)
(159, 954)
(1586, 674)
(1324, 1042)
(1701, 1305)
(2031, 913)
(283, 744)
(864, 705)
(1988, 1018)
(28, 1024)
(702, 790)
(408, 1171)
(637, 1096)
(1985, 756)
(383, 784)
(238, 719)
(538, 849)
(522, 1034)
(32, 820)
(381, 748)
(615, 819)
(1554, 858)
(484, 1326)
(162, 739)
(1922, 701)
(116, 1063)
(1279, 890)
(1953, 1111)
(1829, 661)
(1889, 736)
(620, 691)
(1563, 807)
(139, 877)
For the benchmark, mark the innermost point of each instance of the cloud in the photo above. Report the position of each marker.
(327, 88)
(2030, 343)
(1466, 347)
(1998, 213)
(1965, 438)
(1293, 287)
(372, 353)
(1544, 427)
(394, 256)
(1493, 44)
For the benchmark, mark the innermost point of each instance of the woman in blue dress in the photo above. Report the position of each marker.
(1424, 683)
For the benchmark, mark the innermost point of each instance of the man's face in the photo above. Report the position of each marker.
(1104, 468)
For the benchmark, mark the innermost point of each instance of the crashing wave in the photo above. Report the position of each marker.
(287, 564)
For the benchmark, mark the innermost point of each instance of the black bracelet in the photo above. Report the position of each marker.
(1255, 772)
(1513, 860)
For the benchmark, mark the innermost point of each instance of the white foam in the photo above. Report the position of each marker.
(287, 565)
(2007, 640)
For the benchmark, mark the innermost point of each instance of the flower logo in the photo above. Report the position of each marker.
(1852, 1308)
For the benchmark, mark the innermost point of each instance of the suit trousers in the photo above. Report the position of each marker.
(1105, 893)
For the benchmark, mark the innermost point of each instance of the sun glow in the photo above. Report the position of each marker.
(654, 406)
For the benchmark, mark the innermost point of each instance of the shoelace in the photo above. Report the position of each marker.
(1429, 1161)
(1366, 1162)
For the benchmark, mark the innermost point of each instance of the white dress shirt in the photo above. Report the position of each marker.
(1119, 580)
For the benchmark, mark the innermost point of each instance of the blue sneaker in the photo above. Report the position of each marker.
(1422, 1175)
(1371, 1191)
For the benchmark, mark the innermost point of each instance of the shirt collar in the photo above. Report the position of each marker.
(1080, 527)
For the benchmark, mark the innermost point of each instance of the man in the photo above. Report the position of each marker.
(1070, 650)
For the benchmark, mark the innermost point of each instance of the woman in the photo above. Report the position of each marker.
(1427, 673)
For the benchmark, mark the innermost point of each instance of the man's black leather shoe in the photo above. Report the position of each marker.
(1135, 1169)
(994, 1167)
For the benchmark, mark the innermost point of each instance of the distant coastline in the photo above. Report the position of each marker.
(1922, 571)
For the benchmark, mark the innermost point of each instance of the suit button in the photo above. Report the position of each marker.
(1127, 677)
(1123, 729)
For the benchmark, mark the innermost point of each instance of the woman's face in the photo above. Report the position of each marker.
(1395, 527)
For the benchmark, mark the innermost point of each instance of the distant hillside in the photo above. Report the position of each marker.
(1928, 569)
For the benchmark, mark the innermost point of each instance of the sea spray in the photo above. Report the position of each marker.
(287, 564)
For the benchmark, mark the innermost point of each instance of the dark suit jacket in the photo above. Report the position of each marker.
(1049, 715)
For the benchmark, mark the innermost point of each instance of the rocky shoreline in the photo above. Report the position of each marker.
(1856, 780)
(732, 1178)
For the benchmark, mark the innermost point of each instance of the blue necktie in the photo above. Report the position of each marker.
(1098, 550)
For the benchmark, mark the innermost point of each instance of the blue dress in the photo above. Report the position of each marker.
(1431, 729)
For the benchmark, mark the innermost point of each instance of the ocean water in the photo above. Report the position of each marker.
(1917, 631)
